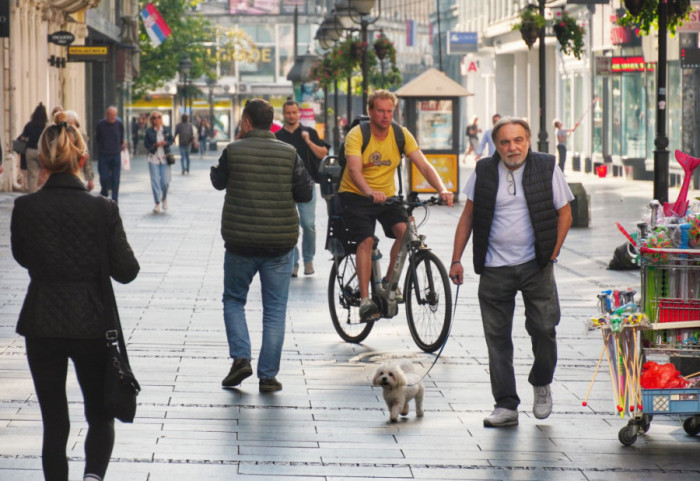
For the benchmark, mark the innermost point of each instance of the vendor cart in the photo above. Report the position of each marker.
(670, 301)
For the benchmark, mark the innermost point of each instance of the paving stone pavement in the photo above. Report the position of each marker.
(329, 423)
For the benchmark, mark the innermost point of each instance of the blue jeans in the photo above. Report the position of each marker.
(203, 145)
(498, 287)
(160, 179)
(110, 167)
(275, 274)
(185, 158)
(307, 222)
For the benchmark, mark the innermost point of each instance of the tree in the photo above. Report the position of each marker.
(189, 33)
(644, 15)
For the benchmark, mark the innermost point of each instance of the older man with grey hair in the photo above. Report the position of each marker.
(518, 208)
(109, 138)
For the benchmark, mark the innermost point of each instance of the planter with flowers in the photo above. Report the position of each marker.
(530, 25)
(569, 34)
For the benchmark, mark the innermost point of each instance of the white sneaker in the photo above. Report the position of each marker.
(156, 209)
(501, 417)
(542, 407)
(165, 204)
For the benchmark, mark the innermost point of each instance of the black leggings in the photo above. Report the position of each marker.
(48, 363)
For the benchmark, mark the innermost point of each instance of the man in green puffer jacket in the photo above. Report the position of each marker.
(264, 178)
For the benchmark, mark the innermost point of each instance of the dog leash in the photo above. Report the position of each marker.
(449, 331)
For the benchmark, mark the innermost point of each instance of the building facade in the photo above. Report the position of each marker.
(37, 64)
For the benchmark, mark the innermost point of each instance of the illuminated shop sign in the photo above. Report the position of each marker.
(628, 64)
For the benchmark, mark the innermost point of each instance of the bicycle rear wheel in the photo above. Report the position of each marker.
(344, 301)
(428, 301)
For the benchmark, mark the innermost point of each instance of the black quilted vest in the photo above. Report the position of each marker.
(537, 185)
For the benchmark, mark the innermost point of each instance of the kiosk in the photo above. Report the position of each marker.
(431, 106)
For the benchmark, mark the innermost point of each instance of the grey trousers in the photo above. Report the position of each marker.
(498, 288)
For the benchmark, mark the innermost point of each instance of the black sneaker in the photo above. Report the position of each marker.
(239, 371)
(270, 385)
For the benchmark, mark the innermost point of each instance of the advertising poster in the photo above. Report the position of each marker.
(446, 166)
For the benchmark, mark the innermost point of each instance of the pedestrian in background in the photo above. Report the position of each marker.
(109, 136)
(562, 134)
(204, 132)
(311, 149)
(30, 134)
(157, 142)
(55, 235)
(487, 139)
(518, 208)
(472, 133)
(184, 131)
(264, 178)
(88, 172)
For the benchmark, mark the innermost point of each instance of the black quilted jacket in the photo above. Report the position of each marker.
(55, 235)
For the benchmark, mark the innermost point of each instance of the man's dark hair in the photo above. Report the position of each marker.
(290, 102)
(185, 118)
(260, 113)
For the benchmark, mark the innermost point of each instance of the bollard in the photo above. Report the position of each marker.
(580, 206)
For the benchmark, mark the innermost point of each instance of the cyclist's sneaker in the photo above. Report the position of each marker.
(369, 311)
(397, 293)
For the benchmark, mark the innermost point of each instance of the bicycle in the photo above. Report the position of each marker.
(426, 289)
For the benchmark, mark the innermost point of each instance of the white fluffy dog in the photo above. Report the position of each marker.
(399, 385)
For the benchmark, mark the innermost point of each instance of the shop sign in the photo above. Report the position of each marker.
(459, 43)
(63, 38)
(624, 36)
(92, 53)
(692, 22)
(4, 19)
(628, 64)
(603, 65)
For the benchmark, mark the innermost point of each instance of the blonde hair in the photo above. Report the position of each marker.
(152, 116)
(382, 95)
(61, 147)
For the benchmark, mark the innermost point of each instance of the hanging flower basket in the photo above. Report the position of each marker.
(530, 25)
(569, 34)
(383, 48)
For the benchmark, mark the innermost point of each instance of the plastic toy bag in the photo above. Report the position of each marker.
(661, 376)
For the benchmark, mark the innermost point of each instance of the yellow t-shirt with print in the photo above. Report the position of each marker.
(379, 160)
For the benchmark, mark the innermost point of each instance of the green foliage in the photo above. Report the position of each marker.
(529, 16)
(346, 58)
(648, 16)
(569, 33)
(189, 32)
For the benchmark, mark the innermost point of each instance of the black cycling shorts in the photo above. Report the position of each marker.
(360, 215)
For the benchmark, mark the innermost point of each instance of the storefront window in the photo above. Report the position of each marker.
(598, 117)
(674, 107)
(633, 106)
(651, 111)
(579, 109)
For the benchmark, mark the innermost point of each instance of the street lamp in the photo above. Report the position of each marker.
(530, 33)
(358, 12)
(185, 66)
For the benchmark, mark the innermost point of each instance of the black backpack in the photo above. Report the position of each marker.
(332, 168)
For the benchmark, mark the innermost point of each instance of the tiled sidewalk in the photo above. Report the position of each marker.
(329, 423)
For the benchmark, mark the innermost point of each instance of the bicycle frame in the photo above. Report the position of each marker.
(410, 244)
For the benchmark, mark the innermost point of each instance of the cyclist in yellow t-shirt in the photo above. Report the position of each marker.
(368, 181)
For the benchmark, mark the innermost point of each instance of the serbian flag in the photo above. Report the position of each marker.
(156, 27)
(410, 33)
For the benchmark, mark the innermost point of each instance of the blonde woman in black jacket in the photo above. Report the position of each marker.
(55, 235)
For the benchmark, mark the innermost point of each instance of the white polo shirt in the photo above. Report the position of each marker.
(512, 238)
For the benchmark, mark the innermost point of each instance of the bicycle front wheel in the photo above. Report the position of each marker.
(428, 301)
(344, 301)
